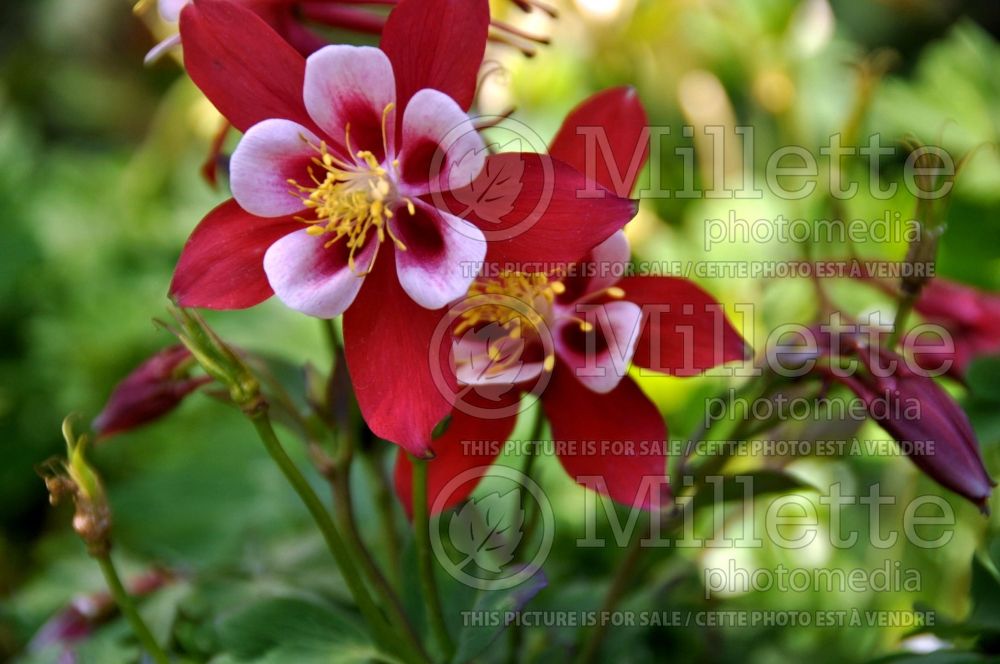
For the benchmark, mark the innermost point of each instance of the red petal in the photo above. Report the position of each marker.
(684, 330)
(388, 339)
(619, 116)
(437, 44)
(535, 209)
(622, 449)
(470, 444)
(222, 265)
(242, 65)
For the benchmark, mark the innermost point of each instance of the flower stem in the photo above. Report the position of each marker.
(338, 473)
(538, 427)
(127, 607)
(903, 309)
(345, 514)
(619, 584)
(384, 636)
(425, 561)
(384, 504)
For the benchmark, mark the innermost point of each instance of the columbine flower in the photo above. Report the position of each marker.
(969, 315)
(150, 391)
(345, 185)
(581, 333)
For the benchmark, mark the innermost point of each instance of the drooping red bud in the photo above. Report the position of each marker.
(931, 427)
(152, 390)
(969, 315)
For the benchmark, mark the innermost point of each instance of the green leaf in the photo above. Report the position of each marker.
(756, 483)
(985, 613)
(475, 639)
(286, 623)
(984, 378)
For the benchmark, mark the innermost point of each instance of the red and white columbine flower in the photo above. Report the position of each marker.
(581, 332)
(341, 185)
(356, 190)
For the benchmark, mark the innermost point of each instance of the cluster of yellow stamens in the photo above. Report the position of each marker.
(513, 300)
(350, 200)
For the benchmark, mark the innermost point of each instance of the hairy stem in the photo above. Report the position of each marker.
(903, 309)
(387, 521)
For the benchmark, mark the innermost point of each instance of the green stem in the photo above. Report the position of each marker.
(514, 631)
(339, 477)
(425, 560)
(387, 521)
(619, 584)
(384, 636)
(903, 309)
(345, 514)
(529, 463)
(332, 336)
(127, 607)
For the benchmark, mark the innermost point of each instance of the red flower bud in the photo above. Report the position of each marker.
(932, 428)
(971, 317)
(152, 390)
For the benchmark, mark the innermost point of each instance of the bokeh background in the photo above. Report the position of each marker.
(100, 186)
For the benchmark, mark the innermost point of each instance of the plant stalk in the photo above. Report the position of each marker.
(384, 636)
(127, 607)
(343, 508)
(425, 560)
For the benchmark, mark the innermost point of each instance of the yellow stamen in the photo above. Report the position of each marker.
(514, 301)
(351, 200)
(511, 301)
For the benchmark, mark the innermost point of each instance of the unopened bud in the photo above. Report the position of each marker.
(150, 391)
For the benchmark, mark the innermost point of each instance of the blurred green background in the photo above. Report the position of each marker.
(100, 187)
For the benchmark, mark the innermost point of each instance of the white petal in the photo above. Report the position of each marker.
(170, 10)
(443, 255)
(441, 149)
(350, 85)
(161, 49)
(312, 279)
(600, 366)
(608, 262)
(270, 154)
(490, 357)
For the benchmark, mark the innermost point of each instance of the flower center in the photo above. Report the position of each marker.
(521, 303)
(352, 200)
(513, 300)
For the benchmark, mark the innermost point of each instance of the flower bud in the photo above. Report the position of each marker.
(970, 316)
(932, 428)
(153, 389)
